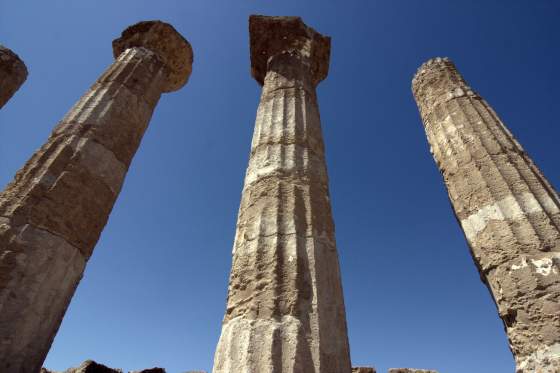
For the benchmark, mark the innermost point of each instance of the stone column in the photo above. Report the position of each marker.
(509, 212)
(285, 309)
(12, 74)
(53, 212)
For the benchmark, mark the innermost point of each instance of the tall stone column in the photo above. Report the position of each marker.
(509, 212)
(53, 212)
(12, 74)
(285, 309)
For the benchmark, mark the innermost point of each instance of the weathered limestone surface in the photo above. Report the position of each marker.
(13, 73)
(285, 308)
(363, 370)
(408, 370)
(509, 212)
(52, 213)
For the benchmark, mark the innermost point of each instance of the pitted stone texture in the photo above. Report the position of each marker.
(430, 90)
(53, 212)
(285, 309)
(39, 272)
(70, 185)
(363, 370)
(13, 73)
(117, 108)
(509, 212)
(409, 370)
(271, 36)
(162, 39)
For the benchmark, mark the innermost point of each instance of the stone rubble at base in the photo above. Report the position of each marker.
(90, 366)
(363, 370)
(391, 370)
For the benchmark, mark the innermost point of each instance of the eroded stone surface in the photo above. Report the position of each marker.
(285, 309)
(52, 213)
(13, 73)
(271, 36)
(162, 39)
(509, 212)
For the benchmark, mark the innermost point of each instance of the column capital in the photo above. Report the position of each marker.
(13, 73)
(162, 39)
(270, 36)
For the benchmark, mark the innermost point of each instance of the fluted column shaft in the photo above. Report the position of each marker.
(53, 212)
(508, 211)
(13, 74)
(285, 308)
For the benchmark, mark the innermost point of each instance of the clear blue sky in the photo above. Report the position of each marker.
(154, 291)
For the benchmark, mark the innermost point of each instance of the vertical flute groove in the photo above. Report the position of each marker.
(294, 281)
(509, 212)
(53, 212)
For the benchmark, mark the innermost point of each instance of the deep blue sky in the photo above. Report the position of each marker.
(154, 291)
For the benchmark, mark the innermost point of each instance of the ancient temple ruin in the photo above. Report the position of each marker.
(509, 212)
(52, 213)
(285, 309)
